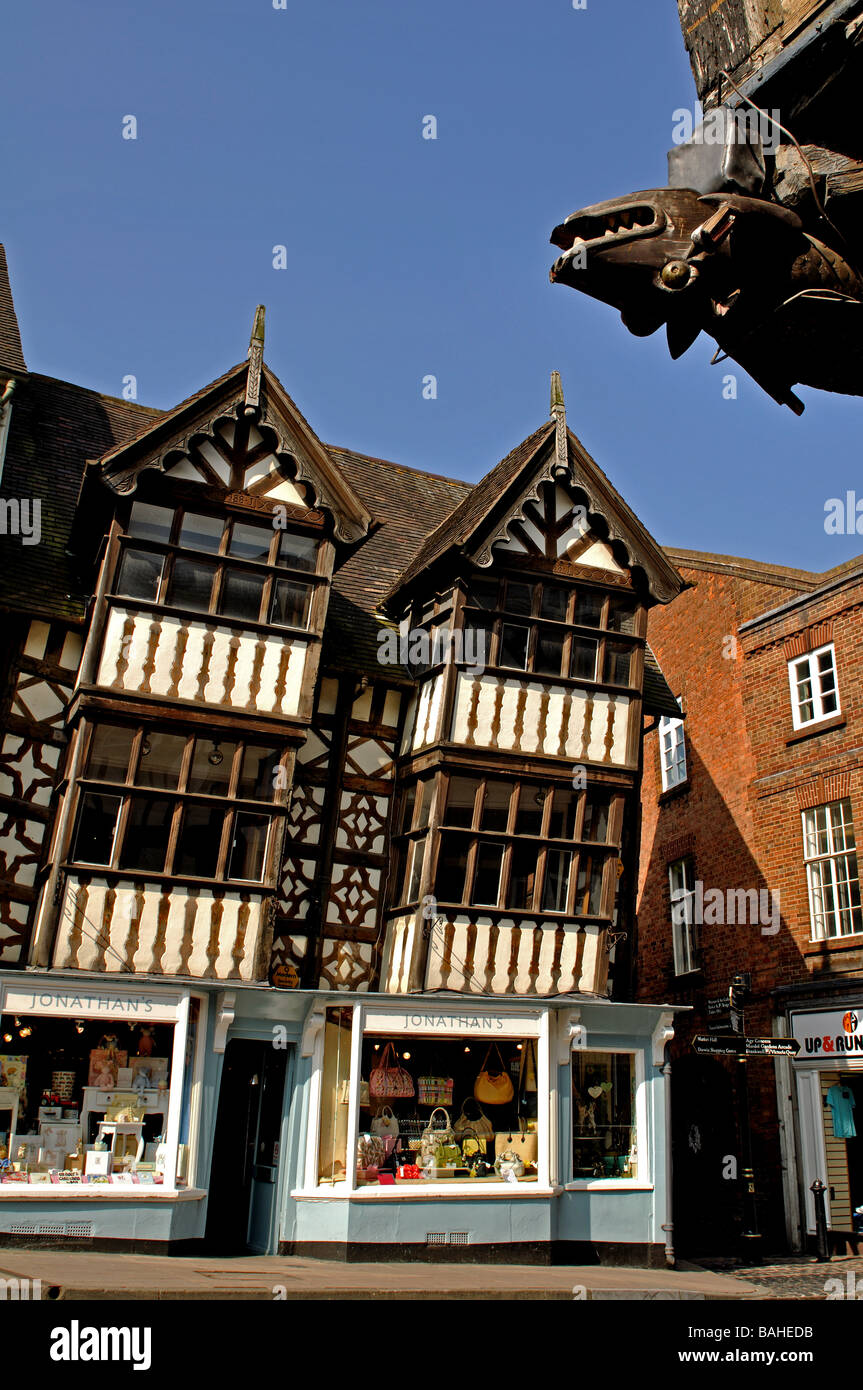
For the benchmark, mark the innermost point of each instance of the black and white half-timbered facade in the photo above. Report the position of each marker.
(304, 755)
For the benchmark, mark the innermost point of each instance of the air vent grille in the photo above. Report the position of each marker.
(80, 1230)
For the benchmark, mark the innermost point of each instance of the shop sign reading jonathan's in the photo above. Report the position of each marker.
(829, 1034)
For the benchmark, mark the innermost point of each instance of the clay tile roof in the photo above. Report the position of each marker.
(11, 354)
(477, 504)
(56, 427)
(658, 695)
(407, 504)
(167, 417)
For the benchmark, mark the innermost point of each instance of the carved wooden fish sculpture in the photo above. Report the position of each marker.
(784, 305)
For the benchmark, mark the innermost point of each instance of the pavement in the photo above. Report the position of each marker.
(797, 1277)
(92, 1276)
(86, 1276)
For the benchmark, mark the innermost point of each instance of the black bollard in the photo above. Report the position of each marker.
(817, 1188)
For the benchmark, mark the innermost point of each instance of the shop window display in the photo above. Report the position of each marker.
(604, 1141)
(434, 1109)
(90, 1100)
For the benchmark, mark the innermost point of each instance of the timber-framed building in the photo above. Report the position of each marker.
(319, 785)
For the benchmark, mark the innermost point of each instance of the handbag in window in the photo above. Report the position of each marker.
(437, 1132)
(527, 1085)
(435, 1090)
(524, 1145)
(509, 1165)
(493, 1087)
(388, 1080)
(473, 1148)
(447, 1156)
(475, 1122)
(385, 1124)
(371, 1151)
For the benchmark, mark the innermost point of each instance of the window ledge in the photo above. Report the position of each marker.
(680, 789)
(852, 942)
(461, 1191)
(609, 1185)
(818, 726)
(99, 1192)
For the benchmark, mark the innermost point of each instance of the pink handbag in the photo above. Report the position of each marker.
(388, 1080)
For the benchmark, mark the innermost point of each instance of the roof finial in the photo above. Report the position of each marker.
(558, 414)
(257, 329)
(256, 361)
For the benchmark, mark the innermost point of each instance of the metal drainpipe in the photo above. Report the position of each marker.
(668, 1226)
(5, 420)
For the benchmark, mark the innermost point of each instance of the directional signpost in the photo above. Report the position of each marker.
(719, 1014)
(734, 1045)
(727, 1038)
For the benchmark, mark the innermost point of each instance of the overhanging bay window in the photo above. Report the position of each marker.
(411, 844)
(240, 569)
(528, 847)
(179, 804)
(429, 1101)
(555, 630)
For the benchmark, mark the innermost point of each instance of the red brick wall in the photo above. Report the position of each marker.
(738, 815)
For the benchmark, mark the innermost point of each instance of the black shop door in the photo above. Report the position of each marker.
(241, 1211)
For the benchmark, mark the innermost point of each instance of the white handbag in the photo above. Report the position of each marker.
(435, 1134)
(385, 1125)
(508, 1163)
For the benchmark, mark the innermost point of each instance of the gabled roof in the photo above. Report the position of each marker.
(11, 354)
(664, 581)
(552, 452)
(476, 507)
(274, 414)
(126, 459)
(407, 504)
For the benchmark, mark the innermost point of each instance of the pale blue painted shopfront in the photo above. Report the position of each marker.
(271, 1093)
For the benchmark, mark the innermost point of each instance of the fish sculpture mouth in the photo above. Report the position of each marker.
(605, 225)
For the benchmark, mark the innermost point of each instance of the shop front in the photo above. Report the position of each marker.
(163, 1117)
(829, 1095)
(444, 1127)
(100, 1110)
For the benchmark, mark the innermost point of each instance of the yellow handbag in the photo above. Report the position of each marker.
(493, 1087)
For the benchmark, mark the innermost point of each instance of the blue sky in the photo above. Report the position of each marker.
(406, 257)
